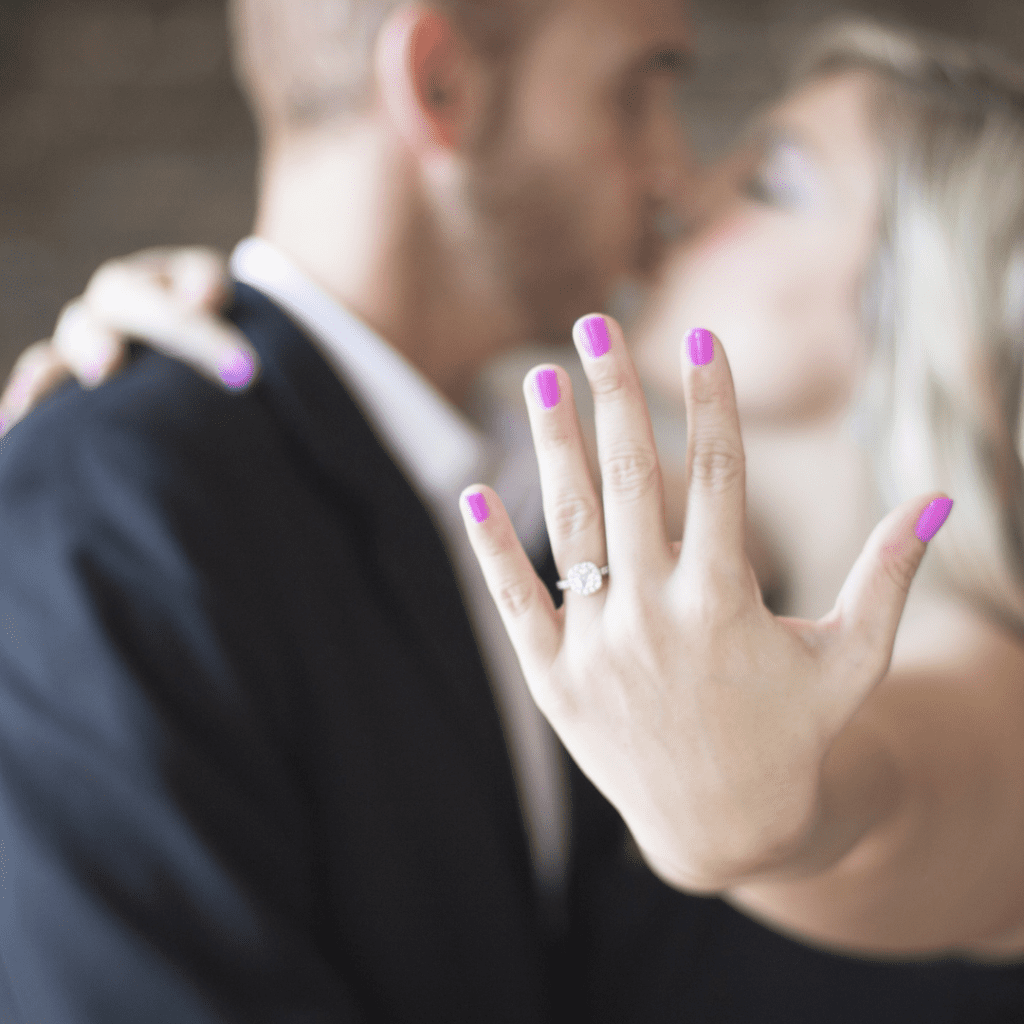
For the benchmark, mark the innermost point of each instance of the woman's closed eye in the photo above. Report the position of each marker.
(757, 188)
(781, 179)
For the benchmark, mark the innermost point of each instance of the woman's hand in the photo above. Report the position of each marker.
(167, 298)
(701, 716)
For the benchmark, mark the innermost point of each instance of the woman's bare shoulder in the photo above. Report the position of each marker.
(942, 630)
(952, 705)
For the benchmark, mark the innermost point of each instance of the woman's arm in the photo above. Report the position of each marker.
(169, 297)
(931, 770)
(703, 718)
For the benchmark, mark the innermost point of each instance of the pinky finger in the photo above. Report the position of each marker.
(533, 624)
(38, 370)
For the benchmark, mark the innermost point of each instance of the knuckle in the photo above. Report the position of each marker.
(899, 570)
(70, 325)
(196, 267)
(630, 473)
(727, 607)
(708, 392)
(105, 291)
(555, 434)
(496, 540)
(516, 596)
(78, 340)
(607, 381)
(714, 606)
(70, 312)
(716, 462)
(109, 274)
(570, 515)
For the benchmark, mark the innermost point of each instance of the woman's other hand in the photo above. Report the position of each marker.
(167, 298)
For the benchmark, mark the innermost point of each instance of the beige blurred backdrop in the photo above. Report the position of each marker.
(120, 126)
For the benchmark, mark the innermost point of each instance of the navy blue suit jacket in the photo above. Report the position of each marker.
(250, 765)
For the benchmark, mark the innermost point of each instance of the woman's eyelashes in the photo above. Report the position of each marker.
(780, 179)
(755, 188)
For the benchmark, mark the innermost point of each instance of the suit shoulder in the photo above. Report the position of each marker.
(155, 405)
(157, 425)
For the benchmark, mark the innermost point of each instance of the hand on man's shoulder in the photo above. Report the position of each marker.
(156, 407)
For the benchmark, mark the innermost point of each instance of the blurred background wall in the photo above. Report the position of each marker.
(120, 125)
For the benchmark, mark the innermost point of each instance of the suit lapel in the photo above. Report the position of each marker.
(408, 556)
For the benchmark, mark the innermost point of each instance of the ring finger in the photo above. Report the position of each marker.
(572, 508)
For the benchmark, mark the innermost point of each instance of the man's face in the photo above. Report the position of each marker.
(589, 151)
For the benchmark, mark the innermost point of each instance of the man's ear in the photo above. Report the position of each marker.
(425, 78)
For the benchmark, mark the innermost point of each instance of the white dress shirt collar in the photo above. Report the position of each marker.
(439, 450)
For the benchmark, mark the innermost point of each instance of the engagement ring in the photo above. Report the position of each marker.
(583, 578)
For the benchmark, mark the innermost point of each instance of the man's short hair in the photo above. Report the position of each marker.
(305, 63)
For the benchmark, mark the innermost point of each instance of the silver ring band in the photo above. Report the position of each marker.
(583, 578)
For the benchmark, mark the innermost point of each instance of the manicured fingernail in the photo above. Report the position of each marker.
(478, 506)
(595, 336)
(701, 346)
(932, 518)
(236, 370)
(545, 385)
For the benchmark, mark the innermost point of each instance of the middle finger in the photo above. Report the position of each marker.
(633, 494)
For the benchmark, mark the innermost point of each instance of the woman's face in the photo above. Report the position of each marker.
(777, 267)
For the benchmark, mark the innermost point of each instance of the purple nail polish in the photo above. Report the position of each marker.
(932, 518)
(92, 372)
(478, 506)
(701, 345)
(545, 385)
(595, 336)
(237, 369)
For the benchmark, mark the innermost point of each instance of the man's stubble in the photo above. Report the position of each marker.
(535, 231)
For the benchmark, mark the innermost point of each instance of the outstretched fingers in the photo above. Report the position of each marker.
(631, 483)
(714, 561)
(531, 620)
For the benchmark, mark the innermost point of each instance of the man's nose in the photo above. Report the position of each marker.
(672, 162)
(675, 178)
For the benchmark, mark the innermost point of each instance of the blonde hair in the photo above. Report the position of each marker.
(303, 64)
(940, 405)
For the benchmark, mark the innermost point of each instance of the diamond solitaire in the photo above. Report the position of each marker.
(584, 578)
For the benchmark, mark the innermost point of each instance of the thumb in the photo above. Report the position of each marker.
(870, 605)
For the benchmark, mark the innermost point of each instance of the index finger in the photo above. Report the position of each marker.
(714, 537)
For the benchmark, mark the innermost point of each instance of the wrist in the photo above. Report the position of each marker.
(859, 791)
